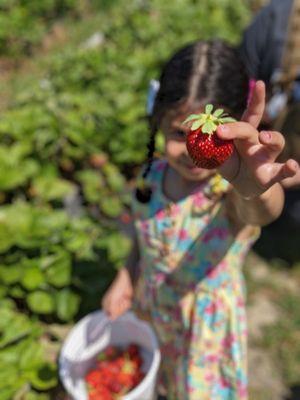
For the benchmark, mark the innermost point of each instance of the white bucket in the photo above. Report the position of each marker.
(95, 332)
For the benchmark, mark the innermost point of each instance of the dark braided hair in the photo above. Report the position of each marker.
(199, 73)
(143, 194)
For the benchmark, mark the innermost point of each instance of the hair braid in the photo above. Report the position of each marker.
(143, 193)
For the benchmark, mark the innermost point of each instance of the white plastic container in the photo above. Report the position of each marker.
(95, 332)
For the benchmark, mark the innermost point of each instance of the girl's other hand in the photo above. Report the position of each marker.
(252, 168)
(118, 298)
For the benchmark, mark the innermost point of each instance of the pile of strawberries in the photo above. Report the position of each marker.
(116, 373)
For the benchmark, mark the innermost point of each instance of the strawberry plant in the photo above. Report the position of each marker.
(23, 23)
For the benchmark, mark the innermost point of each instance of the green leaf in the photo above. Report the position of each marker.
(208, 109)
(45, 377)
(111, 206)
(196, 125)
(3, 291)
(32, 395)
(209, 127)
(191, 117)
(17, 292)
(160, 142)
(217, 113)
(32, 354)
(67, 304)
(41, 302)
(93, 184)
(7, 393)
(118, 246)
(52, 187)
(199, 122)
(15, 170)
(10, 274)
(14, 327)
(227, 119)
(32, 278)
(59, 272)
(113, 176)
(11, 177)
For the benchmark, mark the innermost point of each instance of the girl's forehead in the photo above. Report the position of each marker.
(175, 118)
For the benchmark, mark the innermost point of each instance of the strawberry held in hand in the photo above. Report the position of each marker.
(205, 148)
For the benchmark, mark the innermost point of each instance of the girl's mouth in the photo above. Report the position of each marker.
(193, 168)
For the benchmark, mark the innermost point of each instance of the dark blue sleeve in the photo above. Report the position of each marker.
(263, 40)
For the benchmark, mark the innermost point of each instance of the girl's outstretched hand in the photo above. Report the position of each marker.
(253, 168)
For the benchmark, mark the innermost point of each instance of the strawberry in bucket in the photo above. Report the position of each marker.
(116, 373)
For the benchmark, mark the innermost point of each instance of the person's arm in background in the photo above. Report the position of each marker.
(253, 46)
(263, 40)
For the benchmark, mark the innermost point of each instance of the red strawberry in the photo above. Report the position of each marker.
(133, 350)
(205, 148)
(116, 372)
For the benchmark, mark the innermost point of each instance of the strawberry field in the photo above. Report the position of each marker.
(73, 134)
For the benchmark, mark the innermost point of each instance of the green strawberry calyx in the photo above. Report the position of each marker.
(209, 120)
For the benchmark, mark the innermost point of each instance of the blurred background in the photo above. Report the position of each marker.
(73, 81)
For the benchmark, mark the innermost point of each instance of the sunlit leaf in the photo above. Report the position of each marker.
(217, 113)
(41, 302)
(208, 108)
(67, 304)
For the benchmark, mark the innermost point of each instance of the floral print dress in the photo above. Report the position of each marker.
(192, 288)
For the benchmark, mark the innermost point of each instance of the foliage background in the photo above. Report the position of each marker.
(72, 136)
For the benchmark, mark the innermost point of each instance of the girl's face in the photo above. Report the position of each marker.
(175, 147)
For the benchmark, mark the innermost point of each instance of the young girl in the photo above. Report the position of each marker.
(194, 228)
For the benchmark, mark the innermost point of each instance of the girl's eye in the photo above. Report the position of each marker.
(179, 134)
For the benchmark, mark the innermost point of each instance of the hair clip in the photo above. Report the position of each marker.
(152, 92)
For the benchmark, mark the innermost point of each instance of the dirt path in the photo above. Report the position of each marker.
(265, 380)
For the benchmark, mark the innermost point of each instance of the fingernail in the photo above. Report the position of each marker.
(223, 128)
(295, 165)
(267, 135)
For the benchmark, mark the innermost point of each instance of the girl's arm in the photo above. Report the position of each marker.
(132, 261)
(260, 210)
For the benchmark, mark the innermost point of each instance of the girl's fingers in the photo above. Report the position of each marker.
(120, 308)
(293, 167)
(105, 303)
(273, 144)
(272, 139)
(238, 131)
(293, 181)
(278, 172)
(255, 109)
